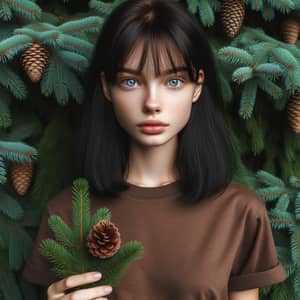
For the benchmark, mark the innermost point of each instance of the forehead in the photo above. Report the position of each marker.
(155, 54)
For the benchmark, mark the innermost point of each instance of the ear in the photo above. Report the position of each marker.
(105, 87)
(198, 86)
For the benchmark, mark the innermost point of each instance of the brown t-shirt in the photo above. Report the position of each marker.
(199, 251)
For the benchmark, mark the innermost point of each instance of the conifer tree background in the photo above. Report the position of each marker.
(45, 47)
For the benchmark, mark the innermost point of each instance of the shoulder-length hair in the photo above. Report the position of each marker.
(204, 151)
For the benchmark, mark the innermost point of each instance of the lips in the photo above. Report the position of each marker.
(153, 123)
(153, 129)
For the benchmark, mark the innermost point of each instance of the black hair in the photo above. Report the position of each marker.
(204, 154)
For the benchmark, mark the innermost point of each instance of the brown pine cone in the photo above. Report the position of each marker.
(232, 16)
(290, 30)
(21, 176)
(34, 61)
(104, 239)
(293, 110)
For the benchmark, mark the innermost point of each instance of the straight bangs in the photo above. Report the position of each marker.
(159, 44)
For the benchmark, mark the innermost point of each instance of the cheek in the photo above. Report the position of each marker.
(180, 110)
(124, 110)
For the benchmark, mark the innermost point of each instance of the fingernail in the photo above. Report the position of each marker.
(97, 275)
(108, 289)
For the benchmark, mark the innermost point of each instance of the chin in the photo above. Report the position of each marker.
(154, 140)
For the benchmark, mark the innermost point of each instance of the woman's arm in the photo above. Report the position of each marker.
(244, 295)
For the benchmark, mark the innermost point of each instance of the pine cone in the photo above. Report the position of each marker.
(104, 239)
(21, 176)
(232, 15)
(290, 30)
(293, 110)
(34, 61)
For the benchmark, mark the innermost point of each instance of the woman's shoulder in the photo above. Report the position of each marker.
(243, 198)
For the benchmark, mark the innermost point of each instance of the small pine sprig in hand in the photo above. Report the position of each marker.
(93, 244)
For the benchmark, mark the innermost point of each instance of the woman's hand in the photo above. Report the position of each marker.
(56, 291)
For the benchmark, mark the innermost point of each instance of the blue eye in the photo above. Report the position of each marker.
(174, 81)
(130, 81)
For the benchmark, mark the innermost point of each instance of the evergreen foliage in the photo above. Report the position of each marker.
(69, 253)
(285, 219)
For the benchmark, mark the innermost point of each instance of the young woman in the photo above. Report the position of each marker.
(154, 149)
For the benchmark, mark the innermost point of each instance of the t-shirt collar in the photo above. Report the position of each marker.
(164, 191)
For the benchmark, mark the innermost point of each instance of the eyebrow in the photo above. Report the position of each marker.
(169, 71)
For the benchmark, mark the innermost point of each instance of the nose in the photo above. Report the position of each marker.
(151, 103)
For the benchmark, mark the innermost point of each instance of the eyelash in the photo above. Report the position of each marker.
(180, 79)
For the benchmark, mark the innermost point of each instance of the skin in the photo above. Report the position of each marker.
(56, 290)
(252, 294)
(137, 98)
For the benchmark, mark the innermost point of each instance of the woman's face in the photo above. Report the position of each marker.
(138, 98)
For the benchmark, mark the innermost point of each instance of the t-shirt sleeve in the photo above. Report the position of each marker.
(256, 263)
(37, 269)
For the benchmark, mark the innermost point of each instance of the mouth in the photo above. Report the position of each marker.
(152, 123)
(153, 129)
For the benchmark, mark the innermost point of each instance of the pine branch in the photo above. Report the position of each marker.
(242, 74)
(70, 256)
(283, 202)
(12, 81)
(81, 210)
(294, 182)
(270, 71)
(5, 113)
(116, 266)
(267, 8)
(74, 86)
(2, 171)
(64, 263)
(236, 56)
(257, 136)
(248, 99)
(62, 232)
(269, 179)
(104, 7)
(26, 8)
(10, 207)
(255, 5)
(11, 46)
(269, 87)
(73, 60)
(75, 44)
(268, 12)
(281, 220)
(25, 125)
(17, 151)
(271, 193)
(205, 9)
(43, 32)
(284, 6)
(259, 67)
(5, 11)
(100, 214)
(88, 24)
(56, 37)
(285, 59)
(59, 80)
